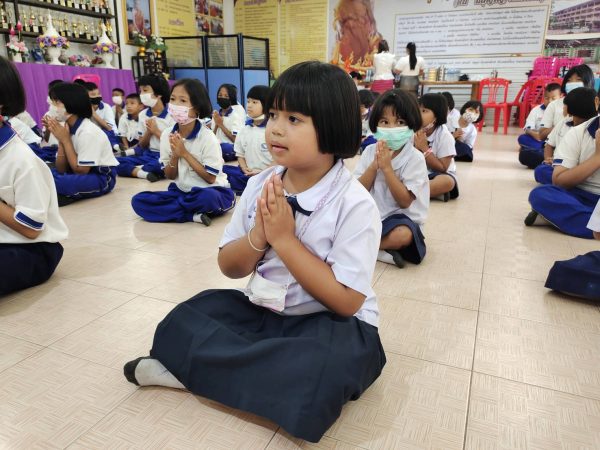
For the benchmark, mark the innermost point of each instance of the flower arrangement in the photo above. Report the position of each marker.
(80, 61)
(157, 44)
(52, 41)
(15, 45)
(139, 39)
(105, 47)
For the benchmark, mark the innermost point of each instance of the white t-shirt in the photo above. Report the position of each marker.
(366, 130)
(594, 223)
(26, 118)
(163, 121)
(129, 128)
(578, 146)
(27, 185)
(534, 119)
(453, 117)
(441, 142)
(383, 62)
(469, 132)
(410, 168)
(106, 113)
(403, 65)
(24, 132)
(344, 233)
(553, 113)
(559, 131)
(205, 148)
(234, 120)
(250, 144)
(91, 145)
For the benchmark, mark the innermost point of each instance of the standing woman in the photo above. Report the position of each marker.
(410, 67)
(384, 62)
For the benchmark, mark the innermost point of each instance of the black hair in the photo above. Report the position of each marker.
(134, 96)
(438, 105)
(475, 105)
(90, 86)
(75, 98)
(12, 94)
(580, 102)
(54, 83)
(584, 72)
(325, 93)
(78, 81)
(366, 98)
(119, 90)
(412, 53)
(260, 93)
(552, 87)
(231, 92)
(355, 74)
(450, 100)
(404, 105)
(383, 46)
(198, 95)
(158, 84)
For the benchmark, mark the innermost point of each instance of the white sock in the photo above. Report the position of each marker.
(130, 152)
(150, 372)
(142, 174)
(385, 257)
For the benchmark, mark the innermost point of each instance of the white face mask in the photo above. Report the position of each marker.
(258, 118)
(470, 117)
(48, 100)
(573, 85)
(117, 100)
(57, 113)
(148, 100)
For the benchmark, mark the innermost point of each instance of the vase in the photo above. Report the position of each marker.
(54, 53)
(141, 51)
(17, 57)
(106, 60)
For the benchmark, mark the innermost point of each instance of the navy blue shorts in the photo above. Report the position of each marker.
(454, 192)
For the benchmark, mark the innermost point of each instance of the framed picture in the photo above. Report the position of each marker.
(138, 15)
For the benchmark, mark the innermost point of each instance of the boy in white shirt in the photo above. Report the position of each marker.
(129, 125)
(102, 114)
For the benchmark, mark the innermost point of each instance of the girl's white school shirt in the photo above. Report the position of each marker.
(25, 133)
(559, 131)
(442, 142)
(91, 145)
(578, 146)
(594, 223)
(129, 128)
(233, 119)
(26, 118)
(553, 114)
(410, 168)
(27, 185)
(469, 132)
(163, 121)
(205, 148)
(344, 233)
(403, 65)
(106, 113)
(250, 144)
(453, 117)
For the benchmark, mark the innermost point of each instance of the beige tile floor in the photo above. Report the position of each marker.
(480, 354)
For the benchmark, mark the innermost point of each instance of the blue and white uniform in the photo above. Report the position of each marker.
(26, 134)
(94, 151)
(26, 185)
(531, 153)
(464, 145)
(553, 113)
(189, 194)
(129, 128)
(442, 145)
(543, 172)
(106, 113)
(233, 119)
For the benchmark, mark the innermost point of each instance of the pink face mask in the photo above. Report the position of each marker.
(181, 114)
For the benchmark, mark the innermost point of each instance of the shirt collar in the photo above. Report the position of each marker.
(227, 112)
(250, 123)
(101, 105)
(193, 134)
(130, 117)
(593, 126)
(75, 126)
(543, 107)
(162, 115)
(6, 135)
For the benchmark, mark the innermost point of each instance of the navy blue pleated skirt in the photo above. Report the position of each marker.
(415, 252)
(297, 371)
(579, 276)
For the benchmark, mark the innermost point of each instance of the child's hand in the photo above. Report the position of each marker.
(217, 119)
(384, 156)
(458, 133)
(277, 215)
(177, 146)
(421, 142)
(151, 126)
(60, 132)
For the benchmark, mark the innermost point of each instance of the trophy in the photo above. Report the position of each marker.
(3, 17)
(75, 27)
(87, 31)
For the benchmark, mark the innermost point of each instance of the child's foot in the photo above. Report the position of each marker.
(152, 177)
(63, 200)
(202, 218)
(147, 371)
(127, 152)
(531, 218)
(446, 197)
(397, 258)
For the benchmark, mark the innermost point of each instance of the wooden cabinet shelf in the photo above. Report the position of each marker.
(66, 9)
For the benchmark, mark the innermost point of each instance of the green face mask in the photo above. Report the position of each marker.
(396, 137)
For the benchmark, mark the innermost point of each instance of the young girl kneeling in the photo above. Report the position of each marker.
(302, 339)
(395, 173)
(190, 155)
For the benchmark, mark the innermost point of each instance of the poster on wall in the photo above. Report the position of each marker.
(209, 17)
(138, 17)
(260, 18)
(175, 18)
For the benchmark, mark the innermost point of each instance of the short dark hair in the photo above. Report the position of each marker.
(90, 86)
(366, 98)
(12, 94)
(438, 105)
(475, 105)
(584, 72)
(75, 98)
(198, 95)
(404, 105)
(552, 87)
(580, 102)
(325, 93)
(54, 83)
(260, 93)
(450, 100)
(231, 92)
(134, 96)
(383, 46)
(119, 90)
(80, 81)
(355, 74)
(158, 84)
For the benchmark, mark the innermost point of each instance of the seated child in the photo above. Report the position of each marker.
(302, 339)
(26, 118)
(30, 224)
(85, 165)
(357, 78)
(569, 202)
(118, 98)
(395, 173)
(26, 134)
(580, 106)
(49, 144)
(143, 160)
(229, 120)
(102, 114)
(191, 156)
(129, 125)
(453, 113)
(437, 145)
(531, 153)
(250, 146)
(367, 97)
(464, 130)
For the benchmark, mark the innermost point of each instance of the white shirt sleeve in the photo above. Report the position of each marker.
(238, 120)
(551, 139)
(96, 143)
(548, 119)
(239, 146)
(415, 175)
(532, 118)
(470, 135)
(365, 159)
(594, 223)
(109, 117)
(212, 157)
(122, 131)
(165, 147)
(569, 149)
(32, 199)
(444, 145)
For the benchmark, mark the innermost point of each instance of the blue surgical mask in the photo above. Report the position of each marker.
(396, 138)
(573, 85)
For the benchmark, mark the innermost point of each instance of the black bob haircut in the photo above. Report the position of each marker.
(475, 105)
(158, 84)
(584, 72)
(581, 102)
(119, 90)
(404, 105)
(54, 83)
(90, 86)
(75, 98)
(231, 92)
(198, 95)
(450, 100)
(325, 93)
(552, 87)
(366, 98)
(438, 105)
(260, 93)
(12, 94)
(134, 96)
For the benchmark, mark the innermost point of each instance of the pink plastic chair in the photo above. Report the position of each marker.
(89, 77)
(544, 66)
(568, 63)
(494, 87)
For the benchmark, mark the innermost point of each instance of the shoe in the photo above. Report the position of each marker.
(397, 257)
(152, 177)
(63, 200)
(129, 369)
(531, 217)
(446, 197)
(123, 153)
(202, 218)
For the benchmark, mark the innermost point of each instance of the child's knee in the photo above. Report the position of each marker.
(401, 236)
(597, 235)
(445, 182)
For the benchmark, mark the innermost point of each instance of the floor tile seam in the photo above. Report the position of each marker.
(425, 359)
(401, 297)
(42, 348)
